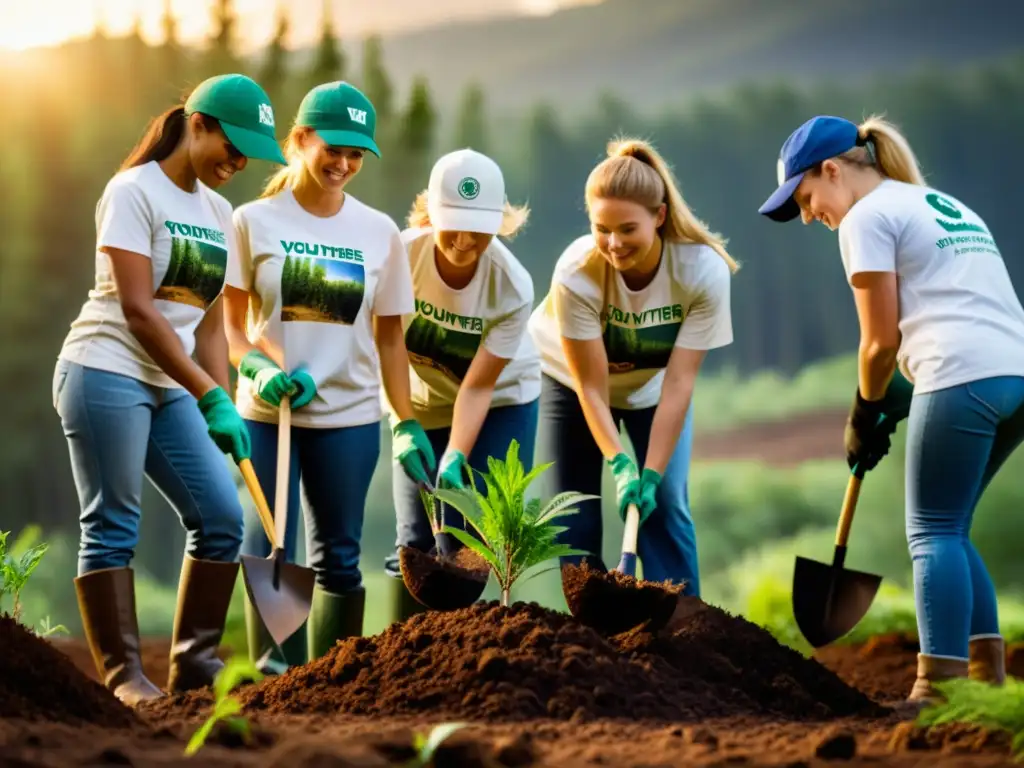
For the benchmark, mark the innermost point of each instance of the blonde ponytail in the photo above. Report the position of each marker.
(513, 218)
(886, 150)
(291, 173)
(635, 171)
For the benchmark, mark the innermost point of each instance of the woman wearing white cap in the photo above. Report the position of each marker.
(934, 299)
(474, 370)
(327, 281)
(633, 309)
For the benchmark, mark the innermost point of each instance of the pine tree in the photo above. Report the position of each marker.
(220, 57)
(471, 123)
(328, 62)
(274, 71)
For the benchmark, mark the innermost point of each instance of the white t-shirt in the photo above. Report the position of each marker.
(959, 316)
(317, 283)
(448, 326)
(187, 238)
(686, 304)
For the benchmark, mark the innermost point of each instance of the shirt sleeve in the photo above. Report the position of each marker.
(240, 268)
(394, 292)
(576, 318)
(708, 320)
(502, 339)
(867, 242)
(124, 219)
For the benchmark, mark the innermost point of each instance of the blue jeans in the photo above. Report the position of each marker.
(957, 439)
(666, 542)
(501, 426)
(330, 470)
(119, 430)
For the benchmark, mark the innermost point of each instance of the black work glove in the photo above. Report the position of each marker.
(868, 434)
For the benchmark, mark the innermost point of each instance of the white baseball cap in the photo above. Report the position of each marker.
(466, 193)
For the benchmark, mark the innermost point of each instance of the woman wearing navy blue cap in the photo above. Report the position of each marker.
(934, 299)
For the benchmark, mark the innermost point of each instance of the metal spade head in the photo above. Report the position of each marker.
(281, 592)
(829, 600)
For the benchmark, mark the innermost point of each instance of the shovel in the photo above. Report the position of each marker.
(615, 602)
(443, 582)
(281, 592)
(828, 599)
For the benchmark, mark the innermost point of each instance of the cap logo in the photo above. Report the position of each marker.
(469, 188)
(780, 171)
(357, 115)
(266, 115)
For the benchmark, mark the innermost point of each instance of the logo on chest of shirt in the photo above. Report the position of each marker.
(195, 267)
(443, 340)
(970, 238)
(640, 340)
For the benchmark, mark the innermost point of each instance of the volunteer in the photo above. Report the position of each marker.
(633, 309)
(474, 370)
(934, 299)
(132, 401)
(325, 284)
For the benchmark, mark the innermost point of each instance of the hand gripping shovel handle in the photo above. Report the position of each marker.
(627, 564)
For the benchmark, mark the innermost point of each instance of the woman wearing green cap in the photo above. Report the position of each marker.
(132, 401)
(474, 369)
(325, 284)
(934, 301)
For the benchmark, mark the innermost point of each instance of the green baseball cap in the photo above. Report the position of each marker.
(244, 112)
(341, 115)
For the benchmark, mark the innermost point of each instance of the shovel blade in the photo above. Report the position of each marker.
(281, 600)
(829, 601)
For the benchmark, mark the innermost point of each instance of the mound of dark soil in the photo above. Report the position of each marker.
(38, 682)
(492, 663)
(613, 602)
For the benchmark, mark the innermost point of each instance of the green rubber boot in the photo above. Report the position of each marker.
(401, 604)
(333, 618)
(260, 642)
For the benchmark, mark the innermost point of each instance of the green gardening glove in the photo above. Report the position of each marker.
(453, 468)
(271, 382)
(225, 425)
(627, 482)
(649, 482)
(411, 448)
(305, 387)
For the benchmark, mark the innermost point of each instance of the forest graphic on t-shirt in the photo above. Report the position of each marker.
(439, 347)
(195, 272)
(319, 290)
(639, 346)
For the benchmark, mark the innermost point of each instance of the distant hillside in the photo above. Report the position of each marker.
(656, 51)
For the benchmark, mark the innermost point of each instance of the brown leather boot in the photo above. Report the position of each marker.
(204, 594)
(930, 670)
(987, 659)
(106, 600)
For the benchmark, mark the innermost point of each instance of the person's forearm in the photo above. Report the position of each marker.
(471, 406)
(394, 369)
(599, 419)
(212, 356)
(875, 367)
(669, 417)
(162, 344)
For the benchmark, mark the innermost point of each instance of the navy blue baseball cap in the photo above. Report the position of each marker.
(816, 140)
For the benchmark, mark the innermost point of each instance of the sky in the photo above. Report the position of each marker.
(30, 23)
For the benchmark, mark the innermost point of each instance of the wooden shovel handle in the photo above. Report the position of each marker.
(284, 455)
(632, 527)
(249, 475)
(849, 505)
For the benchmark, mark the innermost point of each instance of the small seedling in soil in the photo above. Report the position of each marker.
(15, 571)
(45, 630)
(226, 707)
(426, 744)
(997, 708)
(515, 534)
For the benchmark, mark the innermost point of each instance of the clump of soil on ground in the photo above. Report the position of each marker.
(444, 582)
(39, 683)
(613, 602)
(490, 663)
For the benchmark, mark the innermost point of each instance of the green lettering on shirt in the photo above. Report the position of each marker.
(322, 249)
(195, 232)
(447, 317)
(654, 316)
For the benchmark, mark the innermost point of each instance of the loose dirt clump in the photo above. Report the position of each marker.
(444, 582)
(491, 663)
(613, 602)
(39, 683)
